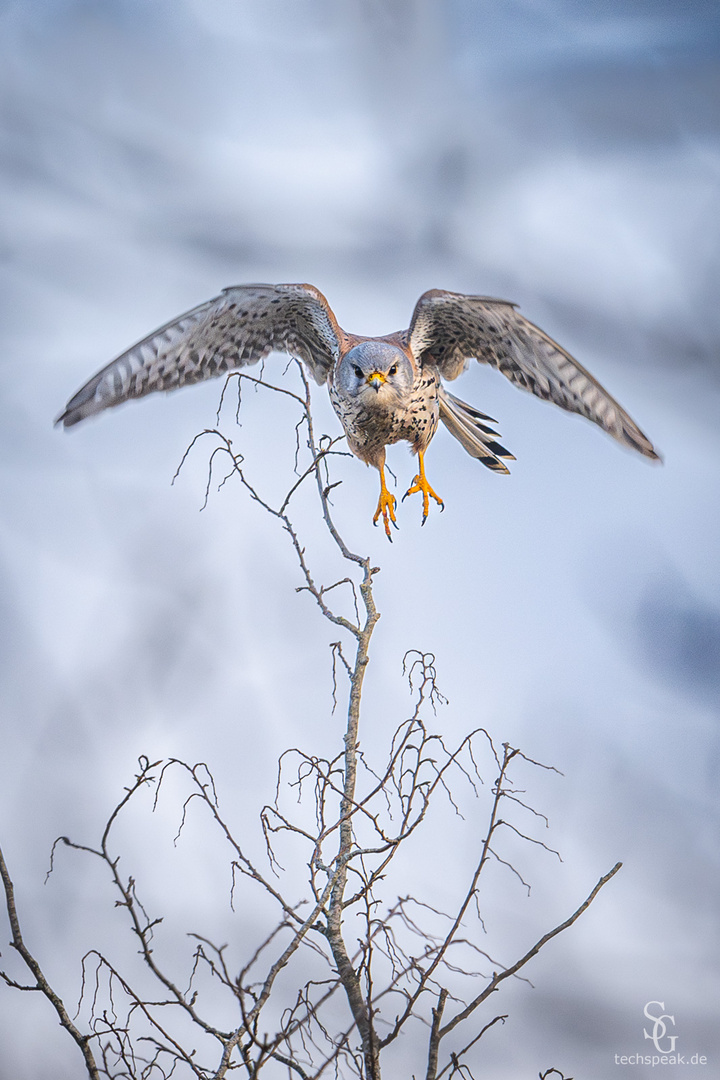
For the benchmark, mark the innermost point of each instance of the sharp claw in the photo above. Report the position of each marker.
(386, 506)
(421, 485)
(388, 519)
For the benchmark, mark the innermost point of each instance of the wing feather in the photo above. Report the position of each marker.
(237, 328)
(449, 329)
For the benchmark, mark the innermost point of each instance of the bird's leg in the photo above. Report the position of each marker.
(386, 505)
(420, 484)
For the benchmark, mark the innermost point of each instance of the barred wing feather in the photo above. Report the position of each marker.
(237, 328)
(449, 329)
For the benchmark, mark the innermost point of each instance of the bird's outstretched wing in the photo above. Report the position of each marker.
(448, 329)
(237, 328)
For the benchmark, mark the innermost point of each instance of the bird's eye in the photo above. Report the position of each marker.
(358, 372)
(393, 370)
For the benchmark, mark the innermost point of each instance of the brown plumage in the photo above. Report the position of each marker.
(384, 390)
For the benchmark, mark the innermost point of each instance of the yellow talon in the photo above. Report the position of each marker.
(386, 507)
(420, 483)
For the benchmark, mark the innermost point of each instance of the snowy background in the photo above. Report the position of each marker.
(564, 155)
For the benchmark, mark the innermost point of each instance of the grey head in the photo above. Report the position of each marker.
(375, 373)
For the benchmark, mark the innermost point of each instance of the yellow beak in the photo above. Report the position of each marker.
(376, 379)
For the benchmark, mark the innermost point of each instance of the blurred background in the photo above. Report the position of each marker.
(561, 154)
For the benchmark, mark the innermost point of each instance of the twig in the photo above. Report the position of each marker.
(83, 1041)
(501, 976)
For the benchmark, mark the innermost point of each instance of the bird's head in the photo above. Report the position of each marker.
(375, 371)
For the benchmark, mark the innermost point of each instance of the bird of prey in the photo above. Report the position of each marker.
(385, 389)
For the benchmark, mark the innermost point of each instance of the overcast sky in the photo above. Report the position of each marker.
(564, 155)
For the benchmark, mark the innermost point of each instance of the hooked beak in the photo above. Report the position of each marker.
(376, 379)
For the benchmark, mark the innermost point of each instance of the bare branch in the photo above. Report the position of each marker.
(341, 958)
(82, 1041)
(497, 979)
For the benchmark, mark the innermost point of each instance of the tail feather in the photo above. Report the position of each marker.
(471, 428)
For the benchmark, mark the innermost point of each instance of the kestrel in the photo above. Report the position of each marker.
(384, 390)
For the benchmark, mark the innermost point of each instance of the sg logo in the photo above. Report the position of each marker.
(659, 1030)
